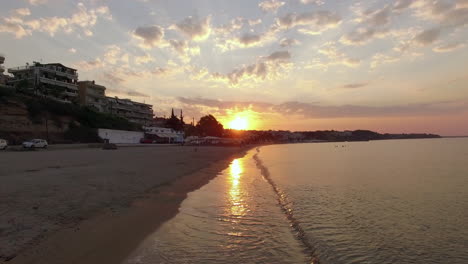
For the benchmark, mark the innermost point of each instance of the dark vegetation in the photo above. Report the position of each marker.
(84, 121)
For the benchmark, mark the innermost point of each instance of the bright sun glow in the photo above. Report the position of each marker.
(239, 123)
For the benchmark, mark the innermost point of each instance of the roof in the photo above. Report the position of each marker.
(58, 64)
(92, 83)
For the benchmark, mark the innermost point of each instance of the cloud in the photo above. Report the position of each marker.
(338, 57)
(355, 85)
(184, 50)
(114, 55)
(246, 40)
(150, 35)
(448, 47)
(89, 65)
(317, 111)
(22, 12)
(359, 36)
(317, 2)
(322, 20)
(402, 4)
(267, 67)
(124, 91)
(445, 13)
(253, 22)
(37, 2)
(279, 56)
(381, 59)
(288, 42)
(194, 28)
(462, 4)
(233, 26)
(147, 58)
(270, 5)
(83, 19)
(72, 50)
(428, 36)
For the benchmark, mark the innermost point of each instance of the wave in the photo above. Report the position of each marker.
(287, 209)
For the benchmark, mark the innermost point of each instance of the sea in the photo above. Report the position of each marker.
(392, 201)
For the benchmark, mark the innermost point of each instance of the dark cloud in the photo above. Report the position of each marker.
(428, 36)
(279, 56)
(194, 28)
(359, 36)
(355, 85)
(249, 39)
(178, 45)
(151, 35)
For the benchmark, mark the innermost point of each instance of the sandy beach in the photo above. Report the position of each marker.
(92, 205)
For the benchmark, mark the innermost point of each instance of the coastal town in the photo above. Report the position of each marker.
(35, 94)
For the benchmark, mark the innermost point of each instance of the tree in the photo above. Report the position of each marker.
(209, 126)
(23, 85)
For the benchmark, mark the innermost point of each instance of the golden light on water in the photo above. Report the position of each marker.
(235, 193)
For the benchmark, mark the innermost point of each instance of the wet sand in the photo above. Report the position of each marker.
(95, 206)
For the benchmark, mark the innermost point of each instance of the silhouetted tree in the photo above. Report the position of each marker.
(209, 126)
(23, 85)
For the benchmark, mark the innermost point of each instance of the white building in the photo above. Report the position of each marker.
(52, 80)
(164, 134)
(120, 136)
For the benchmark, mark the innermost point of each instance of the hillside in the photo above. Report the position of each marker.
(24, 116)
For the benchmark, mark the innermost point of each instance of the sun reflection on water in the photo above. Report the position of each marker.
(236, 169)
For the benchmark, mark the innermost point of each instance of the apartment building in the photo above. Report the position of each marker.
(52, 80)
(92, 95)
(140, 113)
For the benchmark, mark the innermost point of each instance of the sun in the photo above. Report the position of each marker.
(239, 123)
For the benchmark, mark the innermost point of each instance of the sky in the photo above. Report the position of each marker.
(388, 66)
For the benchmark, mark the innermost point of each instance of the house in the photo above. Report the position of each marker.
(52, 80)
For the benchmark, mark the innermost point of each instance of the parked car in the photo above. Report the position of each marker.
(35, 143)
(3, 144)
(146, 141)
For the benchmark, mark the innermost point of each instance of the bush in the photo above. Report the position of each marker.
(5, 92)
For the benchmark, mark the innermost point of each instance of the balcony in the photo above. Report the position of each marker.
(70, 94)
(70, 86)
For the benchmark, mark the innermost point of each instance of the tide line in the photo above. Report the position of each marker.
(287, 210)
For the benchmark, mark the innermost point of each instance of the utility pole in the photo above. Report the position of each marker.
(47, 126)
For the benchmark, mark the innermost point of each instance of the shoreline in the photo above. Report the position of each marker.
(109, 235)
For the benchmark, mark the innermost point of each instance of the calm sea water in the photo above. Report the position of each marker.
(399, 201)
